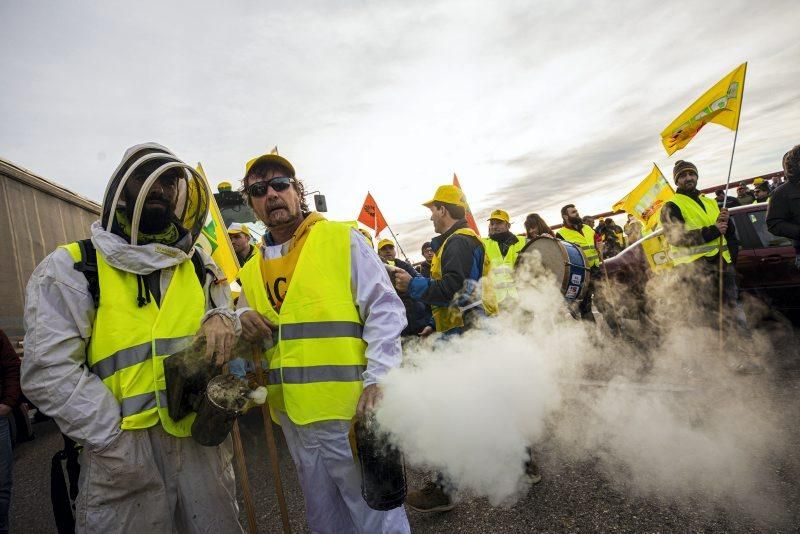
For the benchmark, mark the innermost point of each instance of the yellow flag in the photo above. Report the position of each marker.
(721, 105)
(214, 238)
(656, 250)
(647, 198)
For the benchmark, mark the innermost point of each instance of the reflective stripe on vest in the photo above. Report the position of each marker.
(316, 365)
(585, 240)
(143, 402)
(138, 354)
(695, 218)
(449, 317)
(321, 330)
(318, 373)
(129, 343)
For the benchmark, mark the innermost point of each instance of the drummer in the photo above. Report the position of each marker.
(502, 247)
(582, 235)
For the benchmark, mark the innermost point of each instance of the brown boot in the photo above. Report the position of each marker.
(431, 498)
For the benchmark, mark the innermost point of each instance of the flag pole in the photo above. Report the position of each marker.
(272, 449)
(398, 244)
(724, 206)
(374, 217)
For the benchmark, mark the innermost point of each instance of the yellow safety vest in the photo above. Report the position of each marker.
(129, 343)
(585, 240)
(253, 253)
(696, 218)
(502, 269)
(316, 364)
(449, 317)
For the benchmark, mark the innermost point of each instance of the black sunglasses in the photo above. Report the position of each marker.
(259, 189)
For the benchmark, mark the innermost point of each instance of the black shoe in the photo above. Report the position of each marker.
(431, 498)
(532, 472)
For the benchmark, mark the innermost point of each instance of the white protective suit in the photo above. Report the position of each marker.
(133, 480)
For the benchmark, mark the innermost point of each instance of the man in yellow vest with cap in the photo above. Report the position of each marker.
(582, 235)
(502, 247)
(319, 291)
(101, 316)
(240, 240)
(388, 255)
(460, 292)
(698, 232)
(457, 290)
(418, 314)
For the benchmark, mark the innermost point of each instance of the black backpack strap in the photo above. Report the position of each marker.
(202, 272)
(199, 268)
(88, 266)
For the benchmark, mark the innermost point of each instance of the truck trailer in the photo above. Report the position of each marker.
(36, 216)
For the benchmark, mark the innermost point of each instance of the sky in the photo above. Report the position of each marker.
(533, 104)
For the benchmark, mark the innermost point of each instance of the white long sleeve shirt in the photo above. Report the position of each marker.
(381, 310)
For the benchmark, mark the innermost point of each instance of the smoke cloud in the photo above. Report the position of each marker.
(653, 400)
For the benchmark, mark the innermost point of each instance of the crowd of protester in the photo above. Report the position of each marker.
(354, 303)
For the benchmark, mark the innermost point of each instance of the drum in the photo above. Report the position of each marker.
(564, 260)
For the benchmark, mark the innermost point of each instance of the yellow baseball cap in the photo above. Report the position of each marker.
(500, 215)
(224, 186)
(449, 194)
(274, 158)
(758, 181)
(385, 242)
(238, 228)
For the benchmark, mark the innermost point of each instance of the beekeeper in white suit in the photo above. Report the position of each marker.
(101, 316)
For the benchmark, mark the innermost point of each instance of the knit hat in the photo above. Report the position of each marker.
(791, 164)
(681, 166)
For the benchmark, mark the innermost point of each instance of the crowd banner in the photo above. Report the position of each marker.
(470, 218)
(721, 105)
(647, 198)
(371, 215)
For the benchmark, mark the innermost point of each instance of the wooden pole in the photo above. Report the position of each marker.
(241, 465)
(271, 448)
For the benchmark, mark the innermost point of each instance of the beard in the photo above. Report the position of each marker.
(279, 214)
(575, 221)
(155, 216)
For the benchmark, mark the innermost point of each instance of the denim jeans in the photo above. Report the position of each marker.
(6, 460)
(239, 367)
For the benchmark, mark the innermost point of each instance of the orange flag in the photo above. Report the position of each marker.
(371, 216)
(470, 218)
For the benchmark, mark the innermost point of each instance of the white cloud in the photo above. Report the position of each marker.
(532, 104)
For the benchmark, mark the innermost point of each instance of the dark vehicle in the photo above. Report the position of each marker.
(765, 264)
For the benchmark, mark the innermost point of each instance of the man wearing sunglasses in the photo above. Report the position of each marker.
(319, 291)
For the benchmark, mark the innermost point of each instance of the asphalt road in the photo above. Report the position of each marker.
(573, 496)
